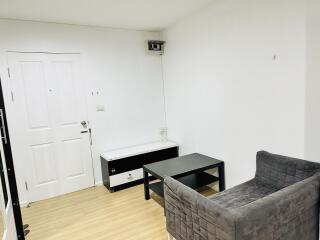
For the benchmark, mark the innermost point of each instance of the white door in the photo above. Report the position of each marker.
(50, 106)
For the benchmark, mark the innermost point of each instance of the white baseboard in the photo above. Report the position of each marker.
(100, 183)
(23, 204)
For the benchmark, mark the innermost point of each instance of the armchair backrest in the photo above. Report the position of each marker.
(281, 171)
(192, 216)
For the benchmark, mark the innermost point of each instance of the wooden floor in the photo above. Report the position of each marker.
(1, 224)
(96, 214)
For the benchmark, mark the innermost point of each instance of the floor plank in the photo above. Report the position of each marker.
(96, 214)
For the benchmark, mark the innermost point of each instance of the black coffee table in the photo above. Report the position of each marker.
(189, 170)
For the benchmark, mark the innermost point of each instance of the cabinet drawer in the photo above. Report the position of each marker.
(136, 162)
(126, 177)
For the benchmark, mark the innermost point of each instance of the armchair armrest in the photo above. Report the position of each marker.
(191, 216)
(289, 214)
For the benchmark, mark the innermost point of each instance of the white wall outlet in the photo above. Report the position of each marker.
(163, 132)
(100, 108)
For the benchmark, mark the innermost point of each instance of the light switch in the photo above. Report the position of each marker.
(100, 108)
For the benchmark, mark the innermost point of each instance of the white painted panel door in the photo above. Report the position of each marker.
(50, 105)
(70, 108)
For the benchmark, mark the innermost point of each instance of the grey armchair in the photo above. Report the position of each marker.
(280, 203)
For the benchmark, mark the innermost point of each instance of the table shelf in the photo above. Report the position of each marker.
(193, 181)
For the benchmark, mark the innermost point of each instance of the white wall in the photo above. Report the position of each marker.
(226, 95)
(129, 81)
(313, 81)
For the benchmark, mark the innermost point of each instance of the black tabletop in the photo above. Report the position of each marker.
(181, 165)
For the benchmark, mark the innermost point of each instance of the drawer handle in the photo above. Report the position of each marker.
(113, 170)
(130, 176)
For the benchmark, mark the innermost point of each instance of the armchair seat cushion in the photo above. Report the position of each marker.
(243, 194)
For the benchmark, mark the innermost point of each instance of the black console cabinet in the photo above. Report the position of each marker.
(123, 168)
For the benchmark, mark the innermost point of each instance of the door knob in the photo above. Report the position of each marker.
(84, 124)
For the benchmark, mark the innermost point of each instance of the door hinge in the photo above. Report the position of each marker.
(27, 188)
(12, 97)
(9, 74)
(90, 136)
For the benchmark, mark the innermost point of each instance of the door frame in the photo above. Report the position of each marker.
(13, 190)
(10, 231)
(8, 92)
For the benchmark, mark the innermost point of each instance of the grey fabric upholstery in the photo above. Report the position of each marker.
(280, 171)
(280, 203)
(243, 194)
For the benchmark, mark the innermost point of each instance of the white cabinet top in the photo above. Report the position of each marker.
(136, 150)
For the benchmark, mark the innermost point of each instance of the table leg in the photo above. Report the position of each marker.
(146, 185)
(222, 184)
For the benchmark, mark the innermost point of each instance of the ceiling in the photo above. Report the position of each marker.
(129, 14)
